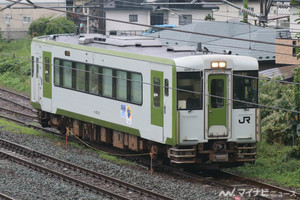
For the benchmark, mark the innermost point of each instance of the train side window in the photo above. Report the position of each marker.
(107, 81)
(80, 76)
(93, 79)
(136, 88)
(189, 93)
(57, 72)
(245, 88)
(37, 67)
(217, 89)
(32, 66)
(156, 92)
(67, 74)
(121, 85)
(47, 69)
(166, 87)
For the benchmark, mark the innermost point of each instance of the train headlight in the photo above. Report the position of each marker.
(218, 64)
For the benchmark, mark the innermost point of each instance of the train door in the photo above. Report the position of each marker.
(37, 79)
(217, 106)
(47, 81)
(157, 104)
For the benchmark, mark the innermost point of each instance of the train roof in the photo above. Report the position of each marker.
(139, 46)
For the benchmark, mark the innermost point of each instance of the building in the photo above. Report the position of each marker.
(15, 21)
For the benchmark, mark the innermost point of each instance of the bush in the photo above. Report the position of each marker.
(43, 26)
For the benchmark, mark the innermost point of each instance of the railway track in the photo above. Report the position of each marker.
(17, 105)
(77, 175)
(5, 197)
(233, 185)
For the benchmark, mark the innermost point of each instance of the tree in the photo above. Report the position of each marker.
(46, 26)
(208, 17)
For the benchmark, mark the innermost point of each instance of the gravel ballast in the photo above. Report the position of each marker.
(23, 183)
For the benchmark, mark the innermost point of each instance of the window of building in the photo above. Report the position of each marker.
(189, 92)
(8, 19)
(133, 18)
(26, 19)
(185, 19)
(245, 89)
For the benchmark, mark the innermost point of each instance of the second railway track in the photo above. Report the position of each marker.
(72, 173)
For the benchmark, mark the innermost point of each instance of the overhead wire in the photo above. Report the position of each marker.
(176, 30)
(176, 89)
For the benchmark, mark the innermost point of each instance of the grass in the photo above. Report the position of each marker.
(12, 127)
(273, 165)
(16, 51)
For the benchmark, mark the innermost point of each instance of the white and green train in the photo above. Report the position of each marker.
(185, 106)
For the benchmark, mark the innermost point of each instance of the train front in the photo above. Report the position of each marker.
(217, 113)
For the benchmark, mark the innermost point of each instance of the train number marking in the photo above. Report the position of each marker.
(245, 119)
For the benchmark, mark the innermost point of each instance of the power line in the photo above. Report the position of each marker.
(176, 89)
(281, 81)
(177, 30)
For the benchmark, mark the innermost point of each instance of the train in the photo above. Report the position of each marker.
(185, 105)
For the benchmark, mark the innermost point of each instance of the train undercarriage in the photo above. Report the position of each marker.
(212, 155)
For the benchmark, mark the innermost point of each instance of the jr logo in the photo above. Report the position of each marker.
(245, 119)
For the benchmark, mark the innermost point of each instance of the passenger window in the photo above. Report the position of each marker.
(217, 89)
(80, 76)
(121, 83)
(166, 87)
(156, 92)
(107, 82)
(37, 67)
(67, 74)
(57, 72)
(93, 79)
(136, 88)
(47, 69)
(189, 93)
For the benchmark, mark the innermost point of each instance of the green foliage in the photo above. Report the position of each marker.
(275, 163)
(208, 17)
(277, 124)
(45, 26)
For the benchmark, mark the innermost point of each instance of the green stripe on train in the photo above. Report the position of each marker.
(98, 122)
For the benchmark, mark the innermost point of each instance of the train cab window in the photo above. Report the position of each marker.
(93, 79)
(245, 88)
(37, 67)
(156, 92)
(57, 70)
(67, 74)
(121, 85)
(189, 93)
(80, 76)
(136, 88)
(32, 66)
(107, 78)
(217, 89)
(47, 69)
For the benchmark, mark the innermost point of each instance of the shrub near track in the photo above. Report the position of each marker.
(15, 65)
